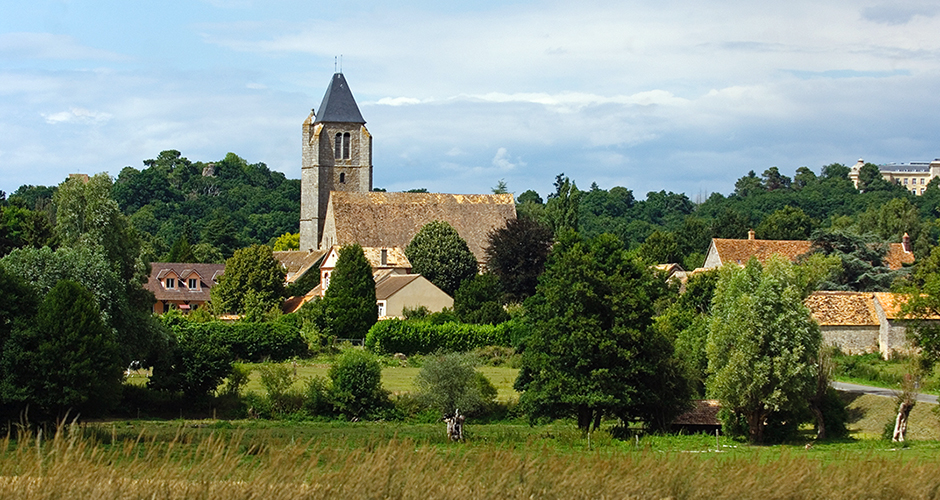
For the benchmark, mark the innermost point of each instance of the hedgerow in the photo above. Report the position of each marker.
(253, 342)
(421, 337)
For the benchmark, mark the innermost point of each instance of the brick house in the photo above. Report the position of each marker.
(183, 286)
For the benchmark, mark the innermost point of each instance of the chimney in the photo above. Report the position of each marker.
(750, 234)
(906, 243)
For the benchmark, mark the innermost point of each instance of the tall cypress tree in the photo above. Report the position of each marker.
(350, 298)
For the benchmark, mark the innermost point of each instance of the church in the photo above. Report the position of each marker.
(338, 206)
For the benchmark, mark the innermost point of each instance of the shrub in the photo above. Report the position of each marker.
(419, 337)
(357, 385)
(317, 400)
(448, 382)
(253, 342)
(277, 380)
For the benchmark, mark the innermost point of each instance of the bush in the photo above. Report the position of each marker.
(357, 385)
(317, 400)
(448, 382)
(277, 381)
(419, 337)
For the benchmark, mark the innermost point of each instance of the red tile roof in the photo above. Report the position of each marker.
(842, 308)
(740, 251)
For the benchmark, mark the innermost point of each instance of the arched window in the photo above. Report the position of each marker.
(341, 146)
(342, 178)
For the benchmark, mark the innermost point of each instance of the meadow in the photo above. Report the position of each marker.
(333, 459)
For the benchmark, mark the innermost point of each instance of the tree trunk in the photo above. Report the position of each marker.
(755, 426)
(597, 419)
(820, 423)
(584, 418)
(900, 423)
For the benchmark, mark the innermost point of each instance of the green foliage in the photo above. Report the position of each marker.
(65, 359)
(423, 337)
(277, 381)
(448, 382)
(182, 251)
(862, 261)
(439, 254)
(251, 342)
(250, 270)
(477, 301)
(236, 204)
(287, 241)
(357, 385)
(561, 210)
(762, 343)
(516, 254)
(661, 247)
(788, 223)
(350, 299)
(42, 268)
(18, 305)
(592, 349)
(194, 364)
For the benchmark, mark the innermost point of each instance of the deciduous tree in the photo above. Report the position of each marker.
(592, 351)
(250, 269)
(516, 254)
(439, 254)
(762, 343)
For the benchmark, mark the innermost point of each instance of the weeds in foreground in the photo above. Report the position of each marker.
(76, 463)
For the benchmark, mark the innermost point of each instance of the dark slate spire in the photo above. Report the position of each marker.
(338, 103)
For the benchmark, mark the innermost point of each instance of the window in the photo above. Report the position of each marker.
(341, 146)
(192, 283)
(384, 256)
(326, 280)
(166, 307)
(381, 306)
(921, 181)
(905, 181)
(170, 283)
(342, 178)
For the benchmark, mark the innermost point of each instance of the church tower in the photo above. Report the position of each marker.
(337, 156)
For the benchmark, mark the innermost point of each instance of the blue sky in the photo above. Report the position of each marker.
(680, 95)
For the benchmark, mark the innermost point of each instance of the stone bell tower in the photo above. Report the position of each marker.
(337, 156)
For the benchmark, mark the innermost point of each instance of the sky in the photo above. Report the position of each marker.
(677, 95)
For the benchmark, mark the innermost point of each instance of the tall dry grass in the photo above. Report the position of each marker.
(76, 464)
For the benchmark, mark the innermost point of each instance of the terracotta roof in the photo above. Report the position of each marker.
(392, 219)
(159, 270)
(740, 251)
(891, 303)
(704, 413)
(897, 257)
(842, 308)
(298, 262)
(293, 304)
(392, 283)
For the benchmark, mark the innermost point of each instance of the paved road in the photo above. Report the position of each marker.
(879, 391)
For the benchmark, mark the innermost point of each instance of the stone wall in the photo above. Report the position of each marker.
(852, 339)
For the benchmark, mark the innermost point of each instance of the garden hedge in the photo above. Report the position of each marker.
(421, 337)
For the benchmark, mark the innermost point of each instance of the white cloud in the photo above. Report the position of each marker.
(77, 115)
(50, 46)
(503, 161)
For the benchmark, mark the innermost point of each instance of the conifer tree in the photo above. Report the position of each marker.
(350, 298)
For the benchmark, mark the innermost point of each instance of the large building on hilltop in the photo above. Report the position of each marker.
(338, 207)
(914, 176)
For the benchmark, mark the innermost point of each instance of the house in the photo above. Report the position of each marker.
(385, 259)
(395, 287)
(395, 292)
(723, 251)
(183, 286)
(296, 263)
(914, 176)
(338, 206)
(861, 322)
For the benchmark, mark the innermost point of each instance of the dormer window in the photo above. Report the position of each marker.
(341, 146)
(192, 283)
(170, 283)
